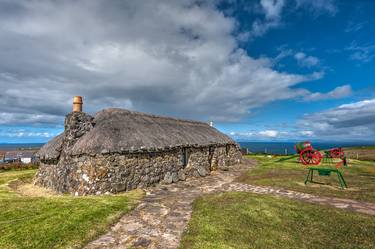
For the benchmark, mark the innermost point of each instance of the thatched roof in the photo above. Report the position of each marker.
(119, 130)
(52, 149)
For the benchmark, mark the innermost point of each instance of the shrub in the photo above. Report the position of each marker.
(18, 166)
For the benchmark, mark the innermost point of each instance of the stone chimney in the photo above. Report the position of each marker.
(77, 123)
(77, 104)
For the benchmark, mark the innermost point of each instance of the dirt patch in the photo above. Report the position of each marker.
(29, 189)
(25, 187)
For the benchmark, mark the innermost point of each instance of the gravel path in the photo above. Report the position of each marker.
(159, 221)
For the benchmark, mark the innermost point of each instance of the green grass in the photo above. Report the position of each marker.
(286, 172)
(56, 221)
(246, 220)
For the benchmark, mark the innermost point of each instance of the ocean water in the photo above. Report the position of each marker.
(254, 147)
(19, 146)
(288, 147)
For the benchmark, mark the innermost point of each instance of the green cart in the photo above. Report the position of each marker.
(325, 172)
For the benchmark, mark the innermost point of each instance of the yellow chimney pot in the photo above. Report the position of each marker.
(77, 104)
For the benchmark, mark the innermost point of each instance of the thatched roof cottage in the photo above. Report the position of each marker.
(118, 150)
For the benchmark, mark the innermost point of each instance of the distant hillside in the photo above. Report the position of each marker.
(363, 152)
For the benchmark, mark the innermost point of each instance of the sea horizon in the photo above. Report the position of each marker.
(268, 147)
(288, 147)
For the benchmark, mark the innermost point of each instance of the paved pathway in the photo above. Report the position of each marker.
(158, 222)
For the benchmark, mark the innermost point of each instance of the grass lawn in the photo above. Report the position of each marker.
(286, 172)
(52, 221)
(247, 220)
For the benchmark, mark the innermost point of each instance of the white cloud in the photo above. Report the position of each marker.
(26, 134)
(263, 134)
(242, 134)
(346, 122)
(181, 60)
(272, 10)
(306, 133)
(305, 60)
(337, 93)
(269, 133)
(318, 6)
(354, 26)
(361, 53)
(302, 59)
(25, 118)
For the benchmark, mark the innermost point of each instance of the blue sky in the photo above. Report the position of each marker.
(262, 70)
(338, 38)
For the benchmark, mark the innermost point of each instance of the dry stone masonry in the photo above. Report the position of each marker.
(119, 150)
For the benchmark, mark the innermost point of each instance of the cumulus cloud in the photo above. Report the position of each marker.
(346, 122)
(181, 60)
(177, 58)
(337, 93)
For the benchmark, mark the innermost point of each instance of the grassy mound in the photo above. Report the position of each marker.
(35, 218)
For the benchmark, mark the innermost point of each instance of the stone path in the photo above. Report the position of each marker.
(159, 221)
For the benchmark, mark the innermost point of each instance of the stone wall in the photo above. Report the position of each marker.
(120, 172)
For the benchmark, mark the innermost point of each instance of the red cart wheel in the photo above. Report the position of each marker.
(336, 153)
(310, 157)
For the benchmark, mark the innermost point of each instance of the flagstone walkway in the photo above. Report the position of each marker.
(159, 221)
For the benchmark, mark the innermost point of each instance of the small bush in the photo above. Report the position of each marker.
(18, 166)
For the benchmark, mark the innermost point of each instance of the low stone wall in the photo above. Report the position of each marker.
(120, 172)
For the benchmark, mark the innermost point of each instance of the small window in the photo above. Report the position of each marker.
(211, 150)
(185, 157)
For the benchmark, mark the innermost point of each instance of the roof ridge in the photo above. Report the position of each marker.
(154, 116)
(118, 130)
